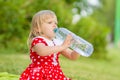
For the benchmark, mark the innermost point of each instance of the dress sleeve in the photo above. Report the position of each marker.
(38, 40)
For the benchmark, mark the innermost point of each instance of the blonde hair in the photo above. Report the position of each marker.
(37, 20)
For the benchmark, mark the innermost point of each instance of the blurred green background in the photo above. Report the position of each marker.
(97, 21)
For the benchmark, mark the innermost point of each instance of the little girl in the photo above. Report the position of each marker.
(45, 49)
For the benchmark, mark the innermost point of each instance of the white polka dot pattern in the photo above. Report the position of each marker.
(43, 67)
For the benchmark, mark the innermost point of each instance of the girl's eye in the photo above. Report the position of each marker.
(49, 22)
(56, 23)
(52, 22)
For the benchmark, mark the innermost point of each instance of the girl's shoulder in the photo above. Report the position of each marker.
(37, 40)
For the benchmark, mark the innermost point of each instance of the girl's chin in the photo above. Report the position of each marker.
(52, 37)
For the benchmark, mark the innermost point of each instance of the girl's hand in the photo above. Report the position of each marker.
(67, 41)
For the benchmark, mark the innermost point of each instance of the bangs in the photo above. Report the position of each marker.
(45, 17)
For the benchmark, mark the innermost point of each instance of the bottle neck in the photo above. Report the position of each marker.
(55, 30)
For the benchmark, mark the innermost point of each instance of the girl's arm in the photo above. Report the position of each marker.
(43, 50)
(72, 55)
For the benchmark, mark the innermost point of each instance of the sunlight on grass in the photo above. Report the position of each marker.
(7, 76)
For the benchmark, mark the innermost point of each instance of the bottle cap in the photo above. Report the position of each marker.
(55, 30)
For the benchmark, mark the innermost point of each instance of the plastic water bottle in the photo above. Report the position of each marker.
(79, 45)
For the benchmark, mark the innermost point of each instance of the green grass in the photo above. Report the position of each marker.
(81, 69)
(7, 76)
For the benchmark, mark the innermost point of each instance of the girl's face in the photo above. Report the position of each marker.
(48, 27)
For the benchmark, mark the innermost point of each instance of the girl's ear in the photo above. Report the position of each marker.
(39, 31)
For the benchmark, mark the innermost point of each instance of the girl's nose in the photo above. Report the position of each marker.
(54, 25)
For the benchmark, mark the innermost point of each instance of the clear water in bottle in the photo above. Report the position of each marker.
(79, 45)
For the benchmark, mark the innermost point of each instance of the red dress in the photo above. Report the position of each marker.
(43, 67)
